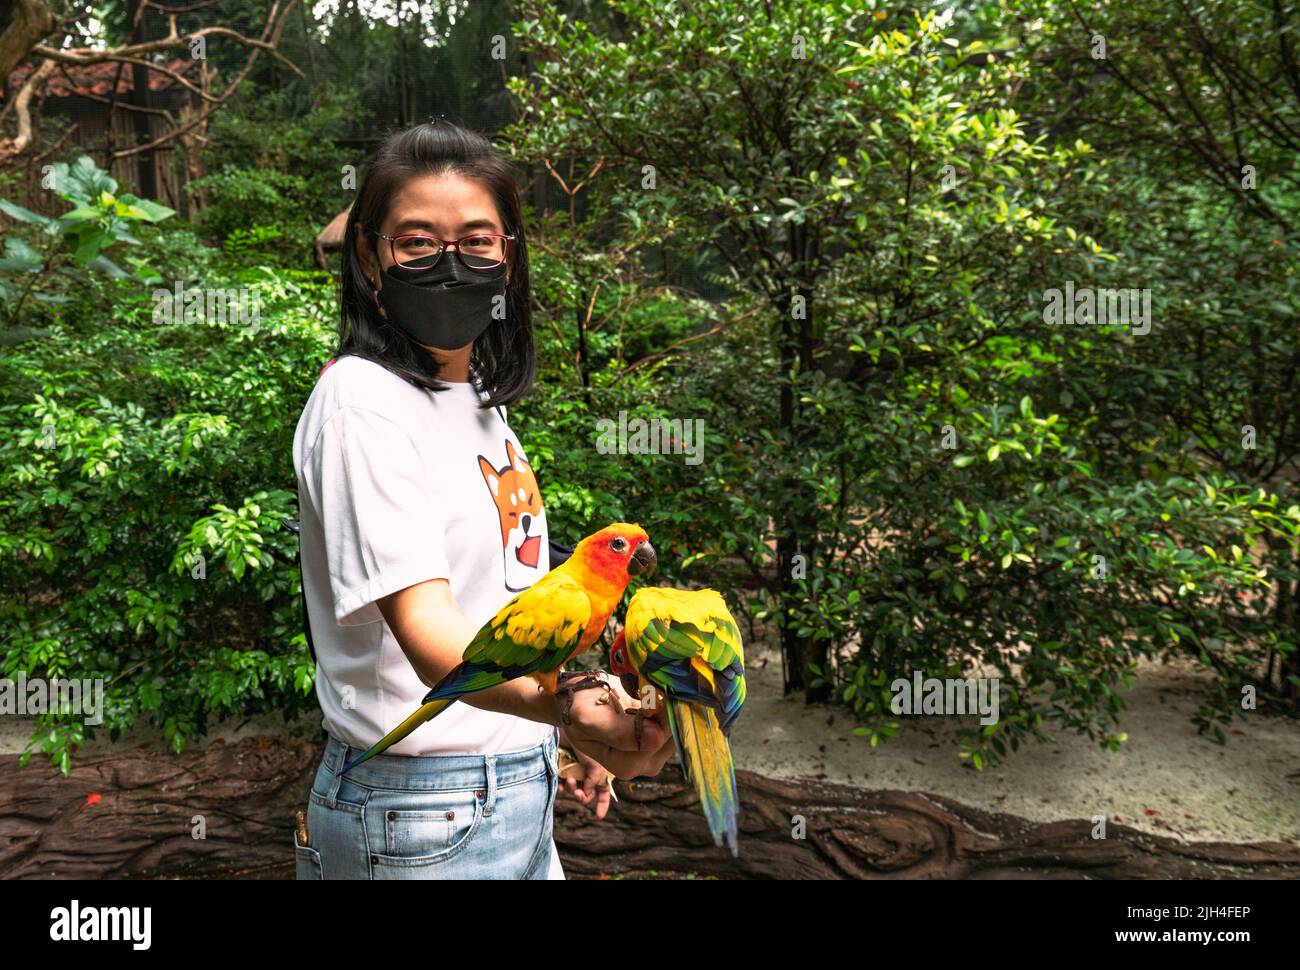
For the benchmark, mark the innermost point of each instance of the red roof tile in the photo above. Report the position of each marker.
(97, 78)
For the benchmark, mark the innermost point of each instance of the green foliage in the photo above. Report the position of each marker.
(903, 466)
(883, 211)
(76, 241)
(244, 198)
(130, 450)
(275, 177)
(252, 243)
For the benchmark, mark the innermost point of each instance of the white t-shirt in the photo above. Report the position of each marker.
(398, 485)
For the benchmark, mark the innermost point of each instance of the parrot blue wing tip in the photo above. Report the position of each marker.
(349, 766)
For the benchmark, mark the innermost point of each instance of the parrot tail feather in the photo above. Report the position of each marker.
(426, 712)
(706, 760)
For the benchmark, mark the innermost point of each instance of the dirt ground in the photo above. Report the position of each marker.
(1165, 779)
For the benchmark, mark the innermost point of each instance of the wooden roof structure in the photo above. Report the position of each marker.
(331, 237)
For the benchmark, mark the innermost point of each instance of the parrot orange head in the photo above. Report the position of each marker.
(617, 552)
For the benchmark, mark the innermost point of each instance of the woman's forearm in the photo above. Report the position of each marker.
(522, 698)
(433, 633)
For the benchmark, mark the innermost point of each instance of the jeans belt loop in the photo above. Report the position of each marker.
(332, 798)
(490, 768)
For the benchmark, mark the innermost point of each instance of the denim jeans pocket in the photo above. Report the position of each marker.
(412, 829)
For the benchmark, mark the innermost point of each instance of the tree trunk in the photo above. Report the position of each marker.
(23, 25)
(146, 182)
(657, 827)
(132, 815)
(787, 539)
(403, 93)
(798, 532)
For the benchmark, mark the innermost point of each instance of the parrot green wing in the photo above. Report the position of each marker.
(534, 632)
(539, 628)
(688, 645)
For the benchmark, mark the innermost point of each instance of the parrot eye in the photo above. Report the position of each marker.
(619, 544)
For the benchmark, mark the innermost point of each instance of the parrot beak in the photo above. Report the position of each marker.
(643, 560)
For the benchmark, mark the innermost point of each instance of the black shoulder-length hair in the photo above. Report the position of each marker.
(504, 358)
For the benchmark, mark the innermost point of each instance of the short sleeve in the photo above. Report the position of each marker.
(378, 511)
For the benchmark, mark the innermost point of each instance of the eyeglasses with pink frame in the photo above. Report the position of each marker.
(446, 244)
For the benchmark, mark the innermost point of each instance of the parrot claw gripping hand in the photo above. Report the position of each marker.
(570, 682)
(538, 631)
(687, 645)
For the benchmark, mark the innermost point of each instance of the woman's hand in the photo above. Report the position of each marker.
(594, 784)
(600, 729)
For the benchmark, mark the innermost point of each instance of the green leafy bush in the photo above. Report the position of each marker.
(907, 466)
(276, 174)
(129, 450)
(76, 241)
(917, 474)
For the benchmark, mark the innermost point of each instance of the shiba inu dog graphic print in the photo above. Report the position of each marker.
(523, 522)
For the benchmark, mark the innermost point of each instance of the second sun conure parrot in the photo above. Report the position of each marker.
(687, 645)
(542, 628)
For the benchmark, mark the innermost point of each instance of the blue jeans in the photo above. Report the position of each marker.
(432, 817)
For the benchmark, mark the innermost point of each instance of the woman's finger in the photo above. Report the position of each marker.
(602, 801)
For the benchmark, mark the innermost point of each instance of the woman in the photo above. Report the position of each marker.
(420, 518)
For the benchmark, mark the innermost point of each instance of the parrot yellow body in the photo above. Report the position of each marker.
(543, 627)
(687, 645)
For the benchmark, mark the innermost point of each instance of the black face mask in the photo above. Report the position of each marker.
(445, 307)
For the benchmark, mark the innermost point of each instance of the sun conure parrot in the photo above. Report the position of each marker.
(539, 630)
(687, 645)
